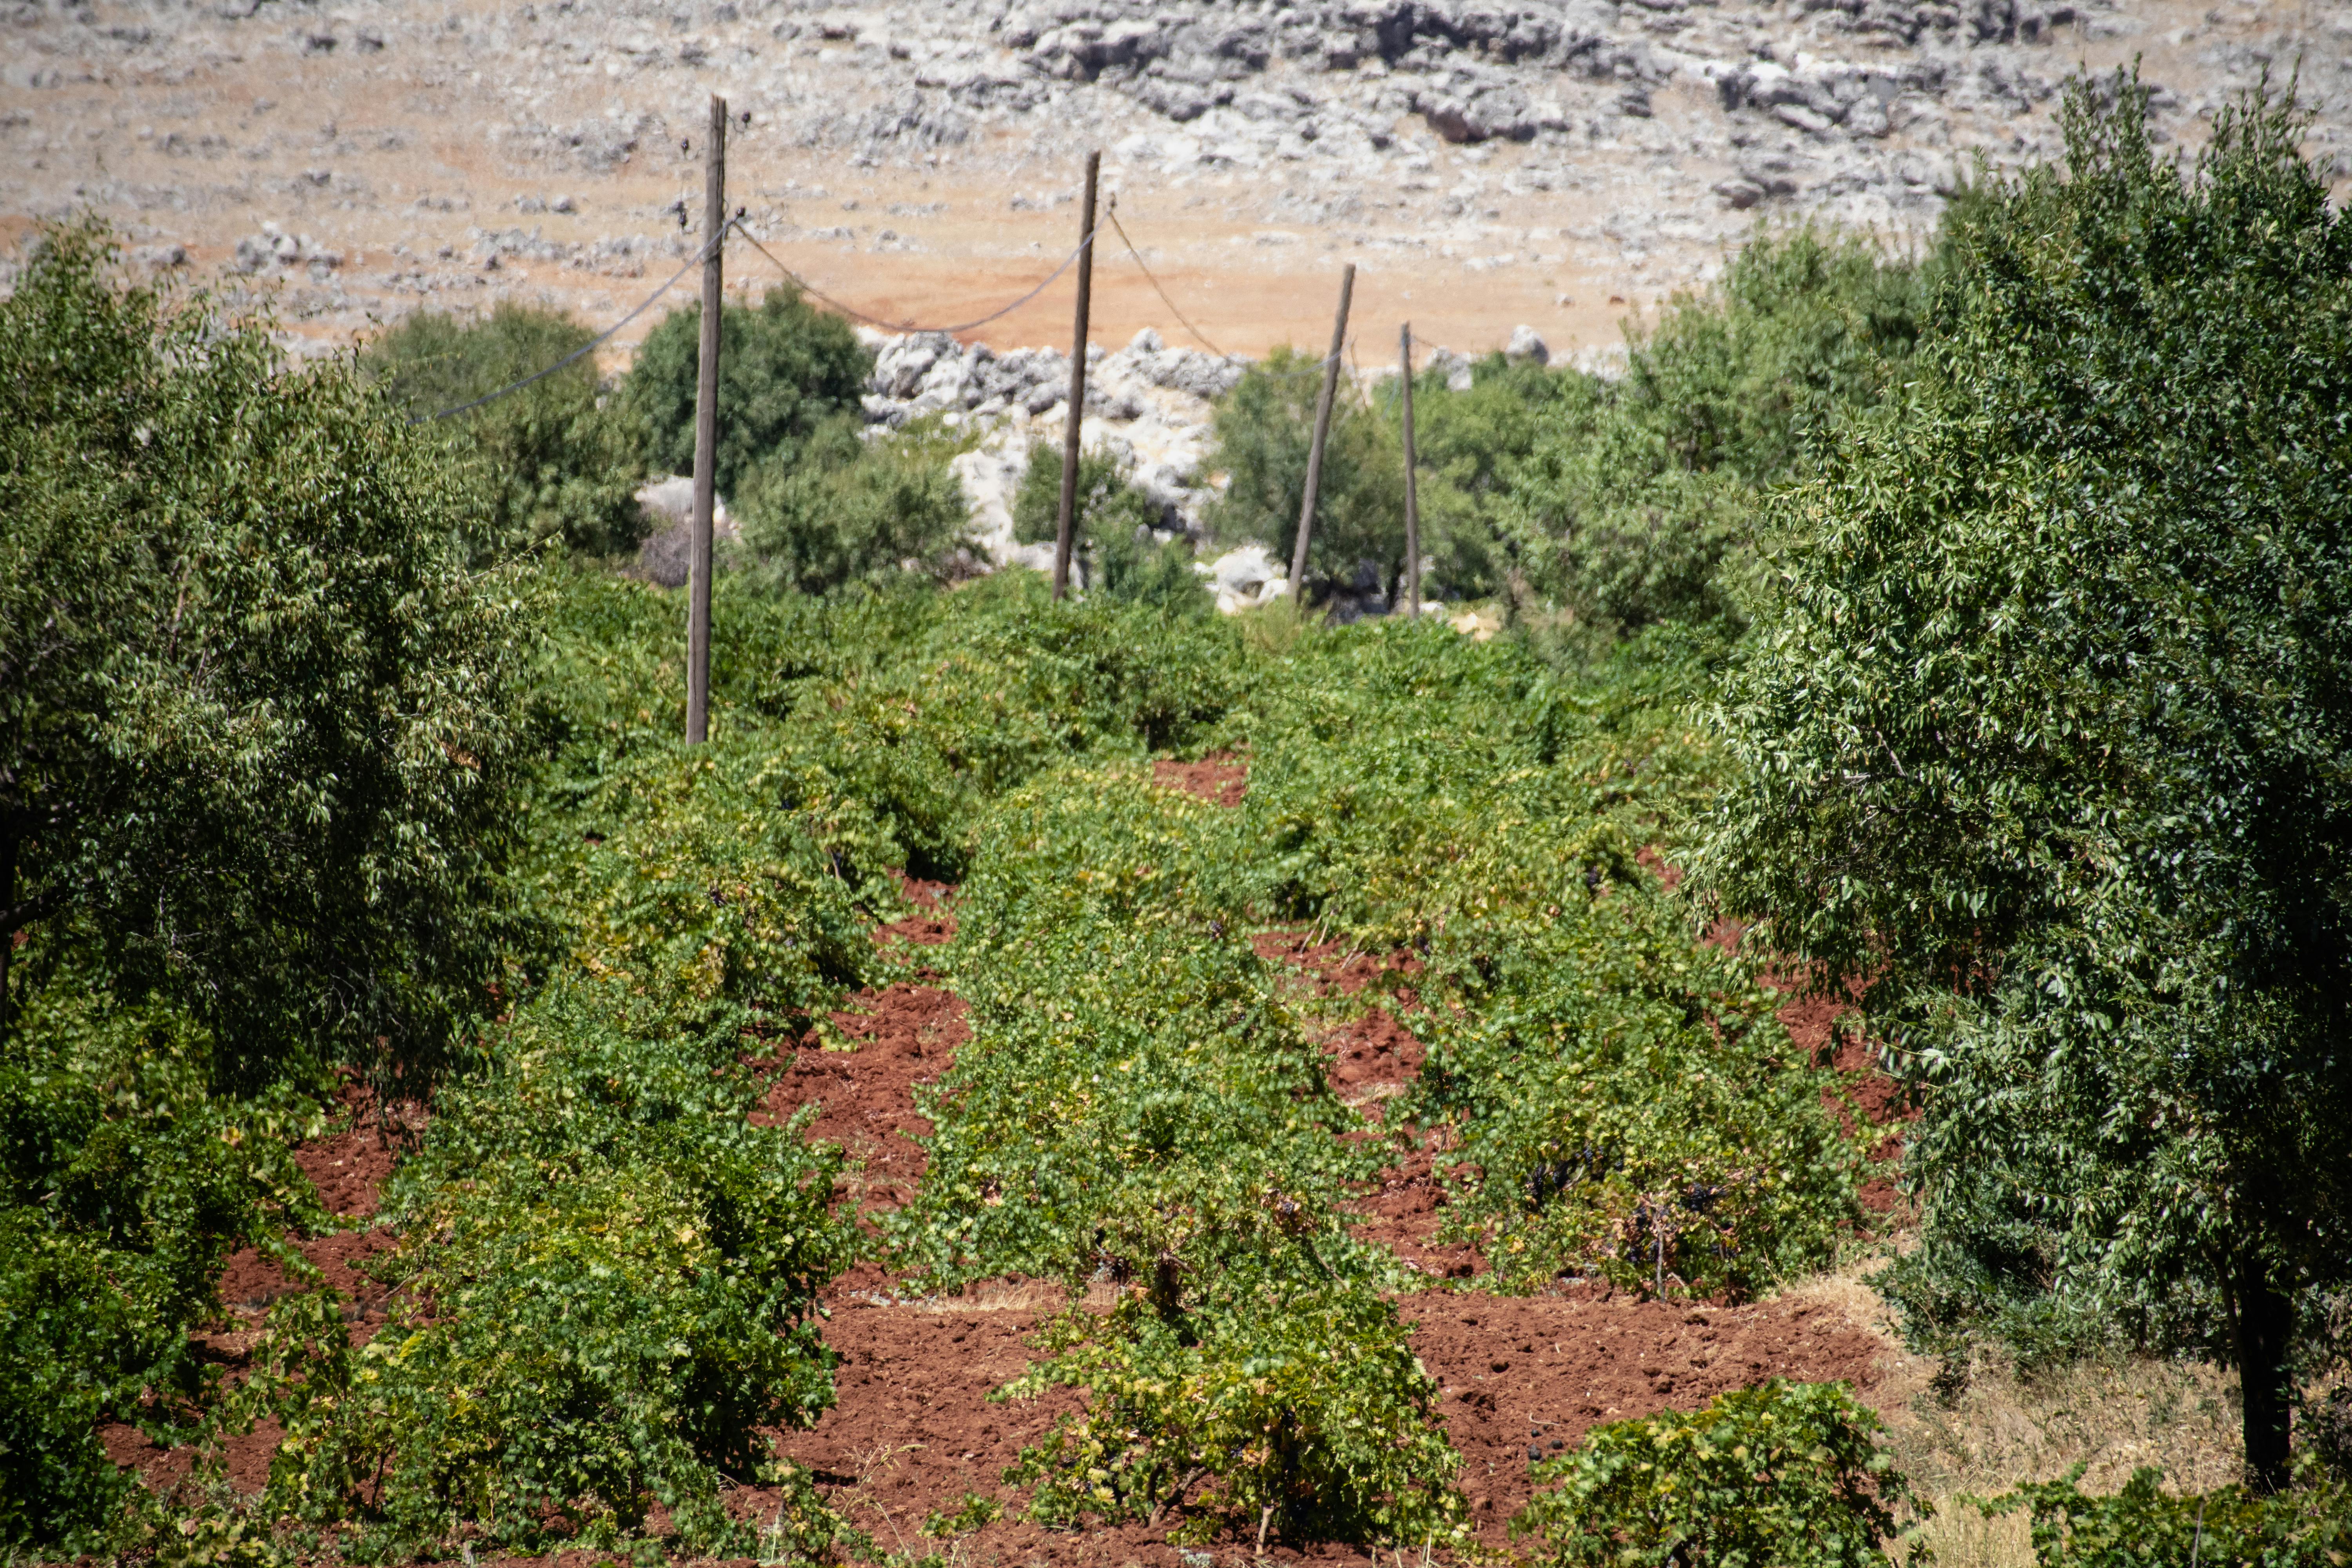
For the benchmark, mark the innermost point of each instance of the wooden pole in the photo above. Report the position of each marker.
(1412, 489)
(1075, 414)
(1322, 430)
(706, 431)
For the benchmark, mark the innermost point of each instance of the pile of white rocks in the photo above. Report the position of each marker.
(1149, 405)
(1152, 408)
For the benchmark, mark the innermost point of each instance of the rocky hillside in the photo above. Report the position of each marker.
(1552, 163)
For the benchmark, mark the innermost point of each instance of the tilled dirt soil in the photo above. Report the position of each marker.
(914, 1429)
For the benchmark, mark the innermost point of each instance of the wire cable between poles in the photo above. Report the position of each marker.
(1156, 289)
(695, 260)
(737, 226)
(808, 287)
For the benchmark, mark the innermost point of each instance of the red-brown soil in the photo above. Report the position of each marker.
(904, 1035)
(1375, 1056)
(914, 1429)
(1221, 778)
(933, 921)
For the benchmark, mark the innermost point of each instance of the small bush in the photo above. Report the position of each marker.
(1641, 500)
(1301, 1404)
(1622, 1102)
(1786, 1473)
(1471, 446)
(702, 889)
(1265, 430)
(553, 461)
(840, 509)
(2141, 1526)
(1114, 544)
(126, 1184)
(607, 1275)
(785, 370)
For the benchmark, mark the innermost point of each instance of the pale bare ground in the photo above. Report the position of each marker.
(2113, 1416)
(393, 157)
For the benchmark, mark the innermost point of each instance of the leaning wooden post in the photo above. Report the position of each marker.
(1412, 488)
(1322, 429)
(1075, 413)
(706, 431)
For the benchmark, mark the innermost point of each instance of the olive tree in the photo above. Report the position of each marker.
(785, 371)
(2048, 739)
(556, 460)
(257, 735)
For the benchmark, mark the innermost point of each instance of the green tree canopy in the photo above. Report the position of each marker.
(2048, 735)
(1639, 501)
(255, 721)
(784, 368)
(553, 463)
(1265, 430)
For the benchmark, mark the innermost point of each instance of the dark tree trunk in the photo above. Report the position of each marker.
(2265, 1324)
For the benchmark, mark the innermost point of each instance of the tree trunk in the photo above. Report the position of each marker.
(2264, 1325)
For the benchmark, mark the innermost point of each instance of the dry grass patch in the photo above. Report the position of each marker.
(2002, 1429)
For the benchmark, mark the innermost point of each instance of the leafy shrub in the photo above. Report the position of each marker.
(1782, 1473)
(1410, 778)
(1132, 1098)
(2141, 1525)
(1414, 786)
(1265, 429)
(1301, 1404)
(1640, 501)
(553, 460)
(784, 370)
(1471, 446)
(260, 723)
(1114, 544)
(1619, 1100)
(607, 1277)
(1003, 685)
(125, 1184)
(702, 888)
(840, 509)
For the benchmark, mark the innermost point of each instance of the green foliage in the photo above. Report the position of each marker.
(785, 370)
(1783, 1473)
(124, 1187)
(256, 723)
(1301, 1404)
(1265, 429)
(1132, 1098)
(699, 888)
(2141, 1526)
(1109, 504)
(1606, 1082)
(971, 1512)
(1622, 1101)
(1114, 544)
(840, 509)
(607, 1275)
(2046, 735)
(1471, 446)
(1409, 777)
(552, 461)
(1641, 500)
